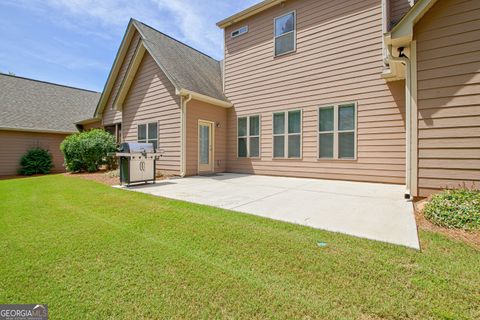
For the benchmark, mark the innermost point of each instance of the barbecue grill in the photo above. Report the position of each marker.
(137, 162)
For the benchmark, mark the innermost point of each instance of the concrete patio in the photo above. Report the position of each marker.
(367, 210)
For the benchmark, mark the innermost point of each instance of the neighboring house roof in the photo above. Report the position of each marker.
(32, 105)
(188, 69)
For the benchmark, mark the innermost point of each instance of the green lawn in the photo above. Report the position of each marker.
(90, 251)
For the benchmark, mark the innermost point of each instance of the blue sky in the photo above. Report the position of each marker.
(74, 42)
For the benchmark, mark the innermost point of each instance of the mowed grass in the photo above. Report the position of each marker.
(92, 252)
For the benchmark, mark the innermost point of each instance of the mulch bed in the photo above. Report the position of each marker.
(470, 237)
(20, 177)
(101, 176)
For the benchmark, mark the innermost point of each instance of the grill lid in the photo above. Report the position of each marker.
(133, 147)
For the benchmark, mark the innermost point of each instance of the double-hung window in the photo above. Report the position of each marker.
(285, 34)
(148, 133)
(248, 134)
(287, 134)
(337, 131)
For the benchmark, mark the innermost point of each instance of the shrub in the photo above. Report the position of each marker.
(87, 151)
(36, 161)
(112, 163)
(459, 209)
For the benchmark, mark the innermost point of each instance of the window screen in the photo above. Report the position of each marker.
(248, 137)
(285, 34)
(337, 131)
(287, 134)
(148, 133)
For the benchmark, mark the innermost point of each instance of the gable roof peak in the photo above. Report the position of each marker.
(187, 68)
(172, 38)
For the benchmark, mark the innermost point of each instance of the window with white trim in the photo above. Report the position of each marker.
(239, 31)
(337, 125)
(285, 34)
(148, 133)
(248, 137)
(287, 134)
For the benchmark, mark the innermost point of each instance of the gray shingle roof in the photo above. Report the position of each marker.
(186, 67)
(41, 106)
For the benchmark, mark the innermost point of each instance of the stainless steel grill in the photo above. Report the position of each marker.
(137, 162)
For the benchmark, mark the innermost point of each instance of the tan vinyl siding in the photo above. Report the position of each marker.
(16, 143)
(111, 116)
(398, 8)
(152, 98)
(338, 59)
(448, 46)
(197, 110)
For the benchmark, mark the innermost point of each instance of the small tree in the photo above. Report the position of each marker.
(36, 161)
(87, 151)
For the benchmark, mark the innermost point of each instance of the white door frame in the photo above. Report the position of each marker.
(206, 168)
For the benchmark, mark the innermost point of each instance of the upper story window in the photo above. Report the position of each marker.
(248, 135)
(239, 31)
(285, 34)
(337, 127)
(148, 133)
(287, 134)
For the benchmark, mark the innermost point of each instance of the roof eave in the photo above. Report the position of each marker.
(88, 121)
(253, 10)
(402, 33)
(129, 76)
(115, 69)
(37, 130)
(204, 98)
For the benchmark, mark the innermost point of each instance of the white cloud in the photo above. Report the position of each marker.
(55, 54)
(108, 12)
(196, 21)
(194, 24)
(75, 41)
(191, 21)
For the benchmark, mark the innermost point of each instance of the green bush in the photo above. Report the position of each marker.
(87, 151)
(455, 209)
(36, 161)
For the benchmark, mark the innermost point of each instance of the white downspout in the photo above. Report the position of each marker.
(385, 26)
(408, 129)
(183, 134)
(408, 119)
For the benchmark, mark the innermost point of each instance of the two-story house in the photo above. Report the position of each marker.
(381, 91)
